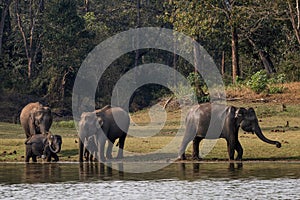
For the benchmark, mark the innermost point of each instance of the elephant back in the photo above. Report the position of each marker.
(27, 117)
(116, 121)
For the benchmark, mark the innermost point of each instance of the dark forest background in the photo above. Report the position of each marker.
(43, 42)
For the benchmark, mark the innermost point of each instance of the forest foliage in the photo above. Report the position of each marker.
(44, 42)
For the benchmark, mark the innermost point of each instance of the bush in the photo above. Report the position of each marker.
(280, 78)
(258, 81)
(275, 89)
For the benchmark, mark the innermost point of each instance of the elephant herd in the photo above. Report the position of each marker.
(111, 123)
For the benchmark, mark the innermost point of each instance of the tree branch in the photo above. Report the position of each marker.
(298, 14)
(291, 13)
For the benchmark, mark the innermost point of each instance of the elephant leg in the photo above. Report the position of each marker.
(49, 158)
(28, 153)
(34, 158)
(101, 144)
(81, 149)
(27, 158)
(239, 149)
(188, 136)
(231, 148)
(91, 157)
(86, 154)
(109, 149)
(54, 155)
(196, 143)
(121, 146)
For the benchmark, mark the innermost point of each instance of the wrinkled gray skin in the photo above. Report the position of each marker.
(35, 119)
(198, 120)
(101, 125)
(40, 144)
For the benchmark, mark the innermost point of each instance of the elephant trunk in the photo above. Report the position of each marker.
(260, 135)
(43, 129)
(56, 149)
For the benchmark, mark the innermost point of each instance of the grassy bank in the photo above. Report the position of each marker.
(272, 121)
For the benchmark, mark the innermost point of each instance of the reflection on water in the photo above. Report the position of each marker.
(178, 180)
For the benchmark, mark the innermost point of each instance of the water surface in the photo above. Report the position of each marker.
(250, 180)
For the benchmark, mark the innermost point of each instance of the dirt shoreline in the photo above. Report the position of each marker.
(163, 162)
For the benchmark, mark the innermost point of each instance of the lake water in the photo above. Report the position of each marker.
(219, 180)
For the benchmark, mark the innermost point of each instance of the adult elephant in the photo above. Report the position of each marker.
(198, 120)
(46, 146)
(102, 125)
(36, 119)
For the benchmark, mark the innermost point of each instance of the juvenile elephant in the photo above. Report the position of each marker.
(35, 119)
(46, 146)
(107, 123)
(198, 120)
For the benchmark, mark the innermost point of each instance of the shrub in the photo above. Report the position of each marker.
(258, 81)
(275, 89)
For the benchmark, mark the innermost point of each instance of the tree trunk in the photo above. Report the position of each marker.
(2, 22)
(265, 58)
(63, 85)
(198, 89)
(234, 54)
(267, 62)
(223, 64)
(295, 25)
(136, 59)
(175, 59)
(31, 43)
(86, 5)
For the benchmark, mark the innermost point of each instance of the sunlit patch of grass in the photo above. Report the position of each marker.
(64, 124)
(9, 130)
(12, 149)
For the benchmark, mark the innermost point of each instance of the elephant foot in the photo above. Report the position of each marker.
(238, 159)
(180, 158)
(119, 157)
(197, 158)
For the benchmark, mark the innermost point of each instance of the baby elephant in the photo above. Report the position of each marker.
(45, 146)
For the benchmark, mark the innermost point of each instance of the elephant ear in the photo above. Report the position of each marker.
(251, 115)
(250, 119)
(240, 113)
(100, 122)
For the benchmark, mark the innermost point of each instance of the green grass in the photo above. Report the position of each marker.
(271, 118)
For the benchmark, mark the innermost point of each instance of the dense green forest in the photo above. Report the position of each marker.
(43, 42)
